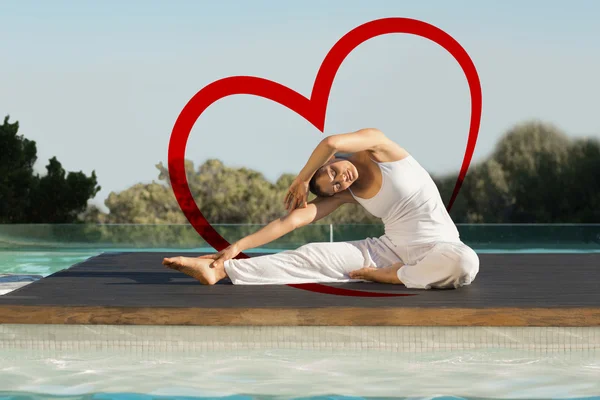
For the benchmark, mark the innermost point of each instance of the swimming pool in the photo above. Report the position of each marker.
(297, 374)
(143, 362)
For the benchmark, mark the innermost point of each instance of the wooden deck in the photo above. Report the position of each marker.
(135, 288)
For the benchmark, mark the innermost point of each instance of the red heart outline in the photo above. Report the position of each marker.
(313, 110)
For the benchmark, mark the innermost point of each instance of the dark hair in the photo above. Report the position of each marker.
(314, 188)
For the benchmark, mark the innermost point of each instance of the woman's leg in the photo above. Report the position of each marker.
(198, 268)
(387, 274)
(311, 263)
(446, 265)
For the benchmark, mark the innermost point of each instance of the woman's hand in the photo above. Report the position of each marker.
(226, 254)
(297, 195)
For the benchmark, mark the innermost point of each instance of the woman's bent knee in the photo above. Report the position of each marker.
(464, 266)
(447, 266)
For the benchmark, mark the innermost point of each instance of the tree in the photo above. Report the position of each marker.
(25, 197)
(536, 174)
(534, 158)
(16, 172)
(581, 184)
(484, 197)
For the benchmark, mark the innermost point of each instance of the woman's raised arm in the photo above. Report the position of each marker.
(369, 139)
(353, 142)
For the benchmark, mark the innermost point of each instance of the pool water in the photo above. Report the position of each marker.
(293, 374)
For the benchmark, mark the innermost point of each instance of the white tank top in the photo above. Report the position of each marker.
(410, 205)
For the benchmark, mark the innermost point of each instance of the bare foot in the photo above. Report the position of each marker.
(365, 273)
(382, 275)
(197, 268)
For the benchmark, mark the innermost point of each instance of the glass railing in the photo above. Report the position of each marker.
(584, 237)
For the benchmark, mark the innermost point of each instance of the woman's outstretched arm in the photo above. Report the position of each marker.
(317, 209)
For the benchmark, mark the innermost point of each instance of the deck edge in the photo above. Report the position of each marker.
(321, 316)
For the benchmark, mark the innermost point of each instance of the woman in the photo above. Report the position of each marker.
(421, 247)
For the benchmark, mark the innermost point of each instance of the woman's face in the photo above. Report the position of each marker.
(335, 176)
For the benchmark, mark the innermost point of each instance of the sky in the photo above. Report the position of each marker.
(100, 85)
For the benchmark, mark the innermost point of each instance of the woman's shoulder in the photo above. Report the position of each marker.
(345, 197)
(391, 152)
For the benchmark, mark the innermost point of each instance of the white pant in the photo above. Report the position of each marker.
(435, 265)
